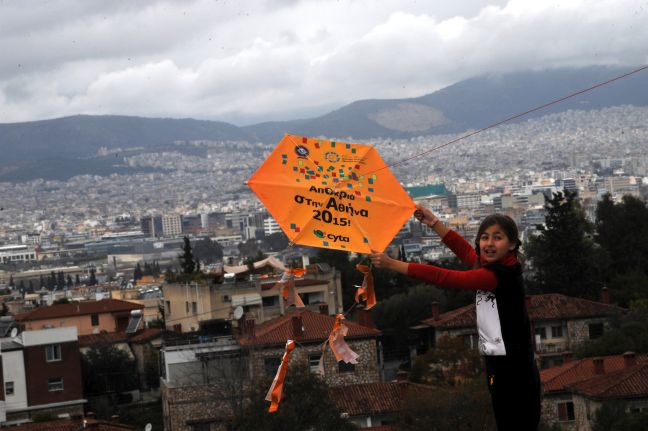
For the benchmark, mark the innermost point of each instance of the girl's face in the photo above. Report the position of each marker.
(494, 244)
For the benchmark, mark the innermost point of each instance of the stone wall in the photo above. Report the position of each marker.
(550, 411)
(578, 330)
(184, 405)
(366, 370)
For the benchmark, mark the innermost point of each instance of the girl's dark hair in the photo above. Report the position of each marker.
(508, 226)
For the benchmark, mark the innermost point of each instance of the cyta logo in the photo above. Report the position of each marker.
(318, 233)
(335, 238)
(301, 151)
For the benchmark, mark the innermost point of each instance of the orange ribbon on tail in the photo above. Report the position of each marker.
(276, 389)
(340, 348)
(288, 291)
(366, 292)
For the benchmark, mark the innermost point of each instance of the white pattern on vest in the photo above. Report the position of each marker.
(488, 325)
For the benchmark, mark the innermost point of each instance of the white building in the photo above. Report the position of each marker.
(270, 226)
(17, 253)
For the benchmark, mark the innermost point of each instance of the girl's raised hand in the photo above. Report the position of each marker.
(424, 215)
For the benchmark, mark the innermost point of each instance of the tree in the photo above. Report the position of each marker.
(463, 407)
(42, 282)
(60, 280)
(11, 281)
(622, 230)
(108, 369)
(137, 273)
(69, 282)
(207, 251)
(306, 405)
(77, 280)
(250, 248)
(612, 416)
(31, 287)
(21, 286)
(628, 333)
(628, 286)
(93, 277)
(187, 262)
(449, 363)
(51, 281)
(564, 257)
(277, 241)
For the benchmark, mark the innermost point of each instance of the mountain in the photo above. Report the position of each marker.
(470, 104)
(63, 147)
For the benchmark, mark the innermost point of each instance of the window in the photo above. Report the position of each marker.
(202, 426)
(542, 332)
(187, 307)
(566, 411)
(168, 308)
(595, 330)
(343, 367)
(556, 332)
(270, 301)
(9, 388)
(313, 362)
(271, 365)
(53, 352)
(194, 307)
(94, 319)
(55, 384)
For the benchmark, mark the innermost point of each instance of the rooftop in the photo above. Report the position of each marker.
(78, 309)
(550, 306)
(316, 328)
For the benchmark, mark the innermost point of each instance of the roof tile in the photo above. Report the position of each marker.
(317, 328)
(78, 309)
(550, 306)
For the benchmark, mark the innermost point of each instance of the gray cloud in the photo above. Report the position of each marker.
(249, 60)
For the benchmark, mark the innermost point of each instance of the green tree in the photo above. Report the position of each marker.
(277, 241)
(42, 282)
(564, 256)
(628, 286)
(137, 272)
(462, 407)
(207, 251)
(449, 363)
(93, 277)
(187, 262)
(622, 230)
(612, 416)
(69, 282)
(305, 406)
(21, 286)
(108, 369)
(11, 281)
(627, 333)
(60, 280)
(77, 280)
(249, 248)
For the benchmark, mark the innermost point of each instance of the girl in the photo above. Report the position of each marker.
(502, 320)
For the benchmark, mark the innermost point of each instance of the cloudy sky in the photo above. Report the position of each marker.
(250, 61)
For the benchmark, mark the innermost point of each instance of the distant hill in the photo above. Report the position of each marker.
(70, 142)
(470, 104)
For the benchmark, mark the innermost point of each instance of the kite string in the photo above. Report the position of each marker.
(513, 117)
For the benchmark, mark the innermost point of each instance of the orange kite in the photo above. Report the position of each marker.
(332, 194)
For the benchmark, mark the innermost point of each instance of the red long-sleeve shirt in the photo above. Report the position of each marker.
(474, 279)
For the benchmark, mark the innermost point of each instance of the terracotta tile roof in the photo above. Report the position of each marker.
(78, 309)
(141, 336)
(145, 335)
(550, 306)
(631, 382)
(372, 398)
(73, 425)
(557, 379)
(317, 328)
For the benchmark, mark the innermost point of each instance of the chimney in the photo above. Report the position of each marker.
(567, 357)
(364, 317)
(629, 359)
(605, 295)
(114, 419)
(297, 326)
(323, 309)
(435, 310)
(599, 367)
